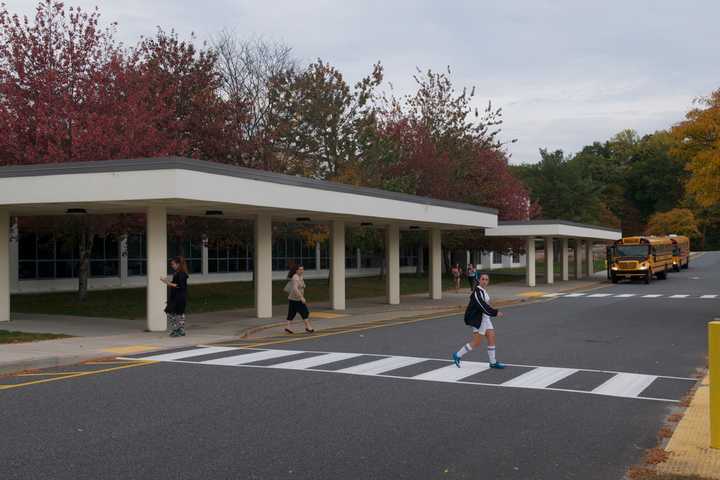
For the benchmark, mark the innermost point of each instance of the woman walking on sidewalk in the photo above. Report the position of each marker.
(456, 273)
(177, 296)
(471, 276)
(477, 316)
(296, 298)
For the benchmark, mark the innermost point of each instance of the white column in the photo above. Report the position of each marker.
(467, 259)
(318, 257)
(565, 260)
(337, 266)
(486, 260)
(507, 260)
(392, 259)
(549, 260)
(14, 256)
(262, 269)
(205, 256)
(123, 254)
(589, 257)
(358, 256)
(435, 261)
(578, 259)
(157, 266)
(530, 269)
(4, 266)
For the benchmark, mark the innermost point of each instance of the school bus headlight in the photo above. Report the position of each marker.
(643, 266)
(614, 267)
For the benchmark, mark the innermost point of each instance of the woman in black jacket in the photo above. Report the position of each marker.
(177, 296)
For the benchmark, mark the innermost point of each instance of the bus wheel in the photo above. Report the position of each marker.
(687, 264)
(662, 275)
(648, 277)
(614, 278)
(677, 267)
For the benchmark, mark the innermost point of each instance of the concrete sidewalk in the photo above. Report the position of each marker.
(106, 337)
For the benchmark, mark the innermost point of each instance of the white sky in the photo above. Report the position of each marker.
(566, 73)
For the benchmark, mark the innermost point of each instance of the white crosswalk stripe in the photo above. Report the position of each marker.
(552, 295)
(620, 384)
(679, 296)
(540, 377)
(625, 385)
(708, 296)
(599, 295)
(628, 295)
(625, 295)
(575, 295)
(652, 295)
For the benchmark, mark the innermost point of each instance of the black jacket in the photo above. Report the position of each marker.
(177, 296)
(477, 307)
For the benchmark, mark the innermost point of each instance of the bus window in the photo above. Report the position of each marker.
(625, 251)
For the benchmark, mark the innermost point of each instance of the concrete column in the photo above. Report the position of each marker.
(358, 255)
(435, 263)
(157, 266)
(14, 256)
(123, 256)
(578, 259)
(205, 256)
(549, 260)
(530, 269)
(262, 271)
(392, 259)
(467, 259)
(507, 260)
(421, 259)
(4, 266)
(565, 260)
(486, 260)
(589, 257)
(318, 257)
(337, 266)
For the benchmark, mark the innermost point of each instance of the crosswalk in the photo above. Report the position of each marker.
(629, 295)
(594, 382)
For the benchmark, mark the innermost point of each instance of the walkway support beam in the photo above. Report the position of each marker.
(435, 260)
(565, 260)
(549, 260)
(392, 260)
(157, 266)
(4, 266)
(337, 267)
(589, 257)
(578, 259)
(262, 269)
(530, 269)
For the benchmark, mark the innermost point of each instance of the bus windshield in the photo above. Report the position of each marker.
(632, 251)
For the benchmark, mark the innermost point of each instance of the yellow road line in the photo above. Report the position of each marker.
(79, 374)
(45, 374)
(106, 363)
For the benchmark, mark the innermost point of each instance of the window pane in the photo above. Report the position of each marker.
(46, 269)
(27, 247)
(46, 247)
(136, 268)
(195, 266)
(26, 270)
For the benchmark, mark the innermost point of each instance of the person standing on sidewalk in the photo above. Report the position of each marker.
(296, 298)
(477, 316)
(456, 273)
(471, 274)
(177, 296)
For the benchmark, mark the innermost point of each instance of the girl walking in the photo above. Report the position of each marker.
(296, 299)
(477, 316)
(471, 274)
(456, 273)
(177, 296)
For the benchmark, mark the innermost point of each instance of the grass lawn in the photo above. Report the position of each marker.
(130, 303)
(7, 336)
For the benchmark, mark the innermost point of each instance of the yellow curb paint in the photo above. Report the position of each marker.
(75, 375)
(45, 374)
(131, 349)
(689, 446)
(531, 294)
(326, 315)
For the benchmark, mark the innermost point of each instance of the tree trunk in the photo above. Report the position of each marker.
(85, 246)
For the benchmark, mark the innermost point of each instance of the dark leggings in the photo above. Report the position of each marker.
(295, 307)
(471, 281)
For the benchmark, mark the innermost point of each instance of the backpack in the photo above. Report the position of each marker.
(473, 314)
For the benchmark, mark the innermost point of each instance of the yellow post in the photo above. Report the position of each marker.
(714, 364)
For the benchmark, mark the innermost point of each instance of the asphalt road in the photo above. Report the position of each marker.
(192, 419)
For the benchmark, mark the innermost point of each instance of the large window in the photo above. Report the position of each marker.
(136, 255)
(227, 259)
(408, 256)
(44, 256)
(192, 251)
(496, 257)
(295, 251)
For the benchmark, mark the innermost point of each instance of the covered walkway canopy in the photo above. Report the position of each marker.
(158, 187)
(549, 230)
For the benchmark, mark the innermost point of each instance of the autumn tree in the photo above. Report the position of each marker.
(680, 221)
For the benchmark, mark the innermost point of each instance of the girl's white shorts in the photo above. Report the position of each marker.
(484, 326)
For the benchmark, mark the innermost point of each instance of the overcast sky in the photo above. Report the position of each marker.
(566, 73)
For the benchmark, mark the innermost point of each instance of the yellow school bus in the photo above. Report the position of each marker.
(641, 258)
(681, 251)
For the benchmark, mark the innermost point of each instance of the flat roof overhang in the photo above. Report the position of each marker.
(191, 187)
(553, 228)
